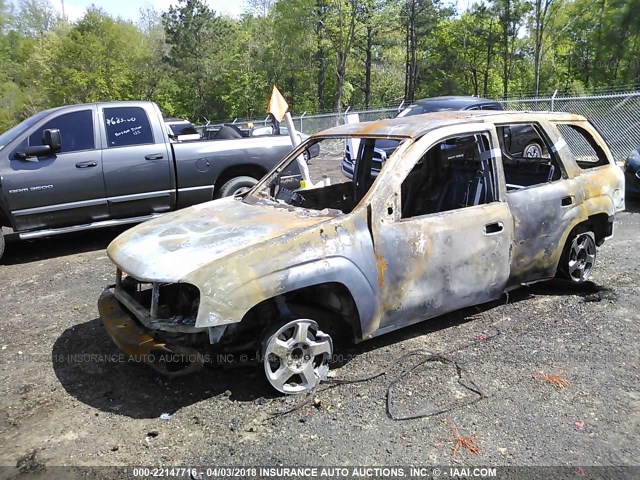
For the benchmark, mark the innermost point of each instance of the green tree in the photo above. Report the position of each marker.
(95, 61)
(198, 49)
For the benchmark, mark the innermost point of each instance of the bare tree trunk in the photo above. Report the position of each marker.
(505, 47)
(541, 14)
(343, 48)
(485, 83)
(321, 55)
(367, 66)
(340, 73)
(411, 53)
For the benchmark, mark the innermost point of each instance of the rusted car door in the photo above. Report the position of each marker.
(543, 203)
(443, 237)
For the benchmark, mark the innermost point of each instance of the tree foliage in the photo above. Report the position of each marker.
(322, 54)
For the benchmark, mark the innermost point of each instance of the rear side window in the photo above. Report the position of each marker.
(585, 150)
(127, 126)
(528, 159)
(76, 131)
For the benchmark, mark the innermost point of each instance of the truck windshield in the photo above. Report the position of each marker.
(339, 178)
(19, 129)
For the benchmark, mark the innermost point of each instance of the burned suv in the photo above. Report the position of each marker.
(284, 270)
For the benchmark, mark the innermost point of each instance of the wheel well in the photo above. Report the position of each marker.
(4, 218)
(342, 321)
(600, 226)
(334, 298)
(251, 170)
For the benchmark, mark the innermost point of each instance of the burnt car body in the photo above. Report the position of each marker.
(520, 140)
(632, 172)
(283, 271)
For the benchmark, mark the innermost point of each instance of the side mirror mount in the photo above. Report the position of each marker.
(31, 154)
(51, 138)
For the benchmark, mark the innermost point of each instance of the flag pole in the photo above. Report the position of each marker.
(278, 108)
(295, 141)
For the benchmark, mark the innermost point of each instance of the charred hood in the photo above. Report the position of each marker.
(168, 248)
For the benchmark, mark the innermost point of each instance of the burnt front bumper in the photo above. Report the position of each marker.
(139, 343)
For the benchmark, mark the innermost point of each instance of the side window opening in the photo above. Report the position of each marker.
(127, 126)
(76, 131)
(456, 173)
(527, 157)
(583, 147)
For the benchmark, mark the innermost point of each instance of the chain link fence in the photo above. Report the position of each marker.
(616, 116)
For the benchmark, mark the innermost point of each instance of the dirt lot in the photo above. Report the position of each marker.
(66, 398)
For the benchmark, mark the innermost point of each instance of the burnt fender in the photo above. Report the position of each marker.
(231, 309)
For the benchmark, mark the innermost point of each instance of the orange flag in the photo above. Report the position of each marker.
(277, 106)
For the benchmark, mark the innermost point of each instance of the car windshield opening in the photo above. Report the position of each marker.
(339, 179)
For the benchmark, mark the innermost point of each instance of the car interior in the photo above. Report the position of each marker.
(522, 171)
(453, 174)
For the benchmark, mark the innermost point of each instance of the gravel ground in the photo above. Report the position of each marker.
(66, 399)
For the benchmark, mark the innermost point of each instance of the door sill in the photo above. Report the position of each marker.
(89, 226)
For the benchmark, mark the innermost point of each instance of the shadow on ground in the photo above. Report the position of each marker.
(25, 251)
(632, 203)
(94, 371)
(589, 291)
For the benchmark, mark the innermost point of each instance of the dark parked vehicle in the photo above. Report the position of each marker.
(523, 141)
(102, 164)
(632, 172)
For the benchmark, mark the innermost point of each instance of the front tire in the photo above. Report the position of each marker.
(2, 243)
(296, 355)
(579, 256)
(237, 186)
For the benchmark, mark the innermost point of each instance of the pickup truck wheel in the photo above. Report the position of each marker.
(296, 356)
(237, 186)
(1, 243)
(579, 256)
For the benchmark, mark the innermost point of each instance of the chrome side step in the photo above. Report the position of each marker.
(89, 226)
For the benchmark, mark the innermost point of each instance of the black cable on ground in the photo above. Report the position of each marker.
(430, 357)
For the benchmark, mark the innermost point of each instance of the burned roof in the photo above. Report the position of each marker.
(417, 125)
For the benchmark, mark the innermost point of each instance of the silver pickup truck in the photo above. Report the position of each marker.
(102, 164)
(452, 218)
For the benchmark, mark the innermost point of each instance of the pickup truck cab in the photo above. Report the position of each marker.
(452, 219)
(102, 164)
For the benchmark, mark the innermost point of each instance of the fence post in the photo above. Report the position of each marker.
(344, 115)
(303, 114)
(553, 98)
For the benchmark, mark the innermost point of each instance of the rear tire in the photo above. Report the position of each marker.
(237, 186)
(579, 255)
(2, 243)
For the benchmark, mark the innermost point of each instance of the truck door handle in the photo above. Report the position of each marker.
(154, 156)
(567, 201)
(88, 164)
(491, 228)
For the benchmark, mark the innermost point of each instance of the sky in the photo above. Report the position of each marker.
(130, 9)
